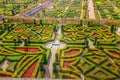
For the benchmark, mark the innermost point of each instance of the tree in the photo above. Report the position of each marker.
(62, 28)
(55, 28)
(0, 30)
(43, 11)
(95, 40)
(89, 23)
(28, 40)
(3, 20)
(15, 42)
(81, 23)
(55, 71)
(41, 66)
(25, 42)
(9, 29)
(112, 29)
(86, 42)
(44, 57)
(41, 22)
(13, 12)
(19, 39)
(34, 21)
(56, 57)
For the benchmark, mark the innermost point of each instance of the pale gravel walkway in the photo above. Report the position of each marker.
(116, 8)
(90, 43)
(5, 64)
(91, 13)
(118, 31)
(82, 12)
(54, 50)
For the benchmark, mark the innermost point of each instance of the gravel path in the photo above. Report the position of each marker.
(91, 45)
(5, 64)
(54, 49)
(91, 13)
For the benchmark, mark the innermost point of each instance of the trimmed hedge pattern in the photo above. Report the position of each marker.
(100, 63)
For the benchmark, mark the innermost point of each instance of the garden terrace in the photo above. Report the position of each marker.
(76, 34)
(23, 62)
(35, 33)
(106, 10)
(77, 60)
(59, 9)
(92, 63)
(116, 3)
(60, 39)
(12, 7)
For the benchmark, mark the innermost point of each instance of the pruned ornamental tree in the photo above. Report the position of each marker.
(112, 29)
(41, 22)
(95, 40)
(55, 71)
(81, 23)
(15, 42)
(86, 42)
(44, 57)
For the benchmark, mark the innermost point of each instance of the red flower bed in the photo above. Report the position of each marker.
(6, 76)
(95, 35)
(25, 37)
(66, 63)
(109, 34)
(115, 54)
(47, 31)
(72, 52)
(81, 35)
(69, 35)
(102, 29)
(18, 30)
(28, 49)
(29, 72)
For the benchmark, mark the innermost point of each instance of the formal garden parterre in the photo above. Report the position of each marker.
(46, 46)
(107, 9)
(64, 9)
(22, 47)
(13, 7)
(78, 59)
